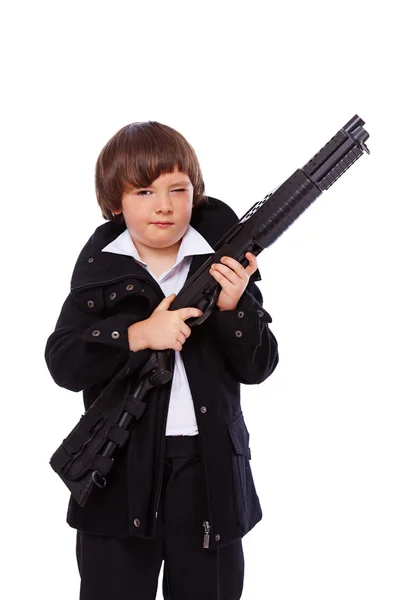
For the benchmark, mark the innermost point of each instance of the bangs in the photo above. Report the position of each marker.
(156, 154)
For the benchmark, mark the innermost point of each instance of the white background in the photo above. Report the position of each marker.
(257, 89)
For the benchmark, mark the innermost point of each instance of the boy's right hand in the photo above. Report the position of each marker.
(163, 329)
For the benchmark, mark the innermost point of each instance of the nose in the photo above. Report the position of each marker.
(164, 202)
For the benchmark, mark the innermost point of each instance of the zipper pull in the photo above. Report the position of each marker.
(206, 540)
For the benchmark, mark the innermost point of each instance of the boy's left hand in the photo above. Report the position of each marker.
(233, 279)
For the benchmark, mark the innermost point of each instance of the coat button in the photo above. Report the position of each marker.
(90, 303)
(261, 313)
(90, 259)
(129, 287)
(240, 314)
(115, 335)
(203, 409)
(113, 295)
(217, 537)
(96, 332)
(136, 522)
(238, 333)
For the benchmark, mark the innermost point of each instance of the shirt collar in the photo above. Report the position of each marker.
(192, 243)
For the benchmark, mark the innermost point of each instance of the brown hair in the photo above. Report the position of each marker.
(137, 155)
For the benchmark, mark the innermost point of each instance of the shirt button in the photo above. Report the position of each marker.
(90, 260)
(113, 295)
(238, 334)
(115, 335)
(90, 303)
(217, 537)
(203, 409)
(261, 313)
(96, 332)
(129, 287)
(136, 523)
(240, 314)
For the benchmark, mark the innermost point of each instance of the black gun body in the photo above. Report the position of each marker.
(266, 220)
(85, 456)
(257, 230)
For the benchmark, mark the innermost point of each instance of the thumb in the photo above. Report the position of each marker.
(165, 302)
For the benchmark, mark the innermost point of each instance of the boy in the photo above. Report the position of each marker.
(181, 489)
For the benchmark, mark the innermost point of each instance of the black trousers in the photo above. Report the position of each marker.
(128, 568)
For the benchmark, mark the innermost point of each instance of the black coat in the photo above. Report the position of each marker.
(89, 351)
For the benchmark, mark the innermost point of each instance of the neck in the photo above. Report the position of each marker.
(147, 253)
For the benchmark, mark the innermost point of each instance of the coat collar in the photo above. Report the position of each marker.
(192, 243)
(95, 267)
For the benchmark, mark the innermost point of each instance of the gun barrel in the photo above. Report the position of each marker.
(354, 123)
(338, 154)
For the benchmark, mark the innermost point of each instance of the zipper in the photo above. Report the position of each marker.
(160, 479)
(162, 466)
(206, 524)
(206, 538)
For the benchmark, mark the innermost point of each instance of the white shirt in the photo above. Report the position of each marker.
(181, 418)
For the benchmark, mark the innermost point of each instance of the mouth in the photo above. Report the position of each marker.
(162, 223)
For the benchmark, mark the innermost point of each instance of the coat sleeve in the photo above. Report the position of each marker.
(84, 351)
(243, 335)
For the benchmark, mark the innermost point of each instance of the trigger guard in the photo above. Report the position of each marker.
(199, 320)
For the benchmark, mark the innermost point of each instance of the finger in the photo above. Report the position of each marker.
(225, 277)
(235, 273)
(165, 302)
(181, 338)
(185, 329)
(251, 258)
(231, 263)
(242, 272)
(186, 313)
(253, 265)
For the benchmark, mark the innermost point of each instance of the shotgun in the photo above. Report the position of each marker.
(86, 455)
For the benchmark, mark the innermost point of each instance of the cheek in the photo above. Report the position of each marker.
(138, 215)
(188, 210)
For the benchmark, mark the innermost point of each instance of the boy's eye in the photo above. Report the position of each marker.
(177, 190)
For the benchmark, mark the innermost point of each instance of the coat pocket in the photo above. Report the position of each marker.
(247, 503)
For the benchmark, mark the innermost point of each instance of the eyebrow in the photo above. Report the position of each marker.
(172, 184)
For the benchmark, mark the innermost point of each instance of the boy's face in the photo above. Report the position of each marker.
(168, 198)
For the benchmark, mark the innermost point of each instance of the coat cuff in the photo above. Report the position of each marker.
(244, 325)
(112, 331)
